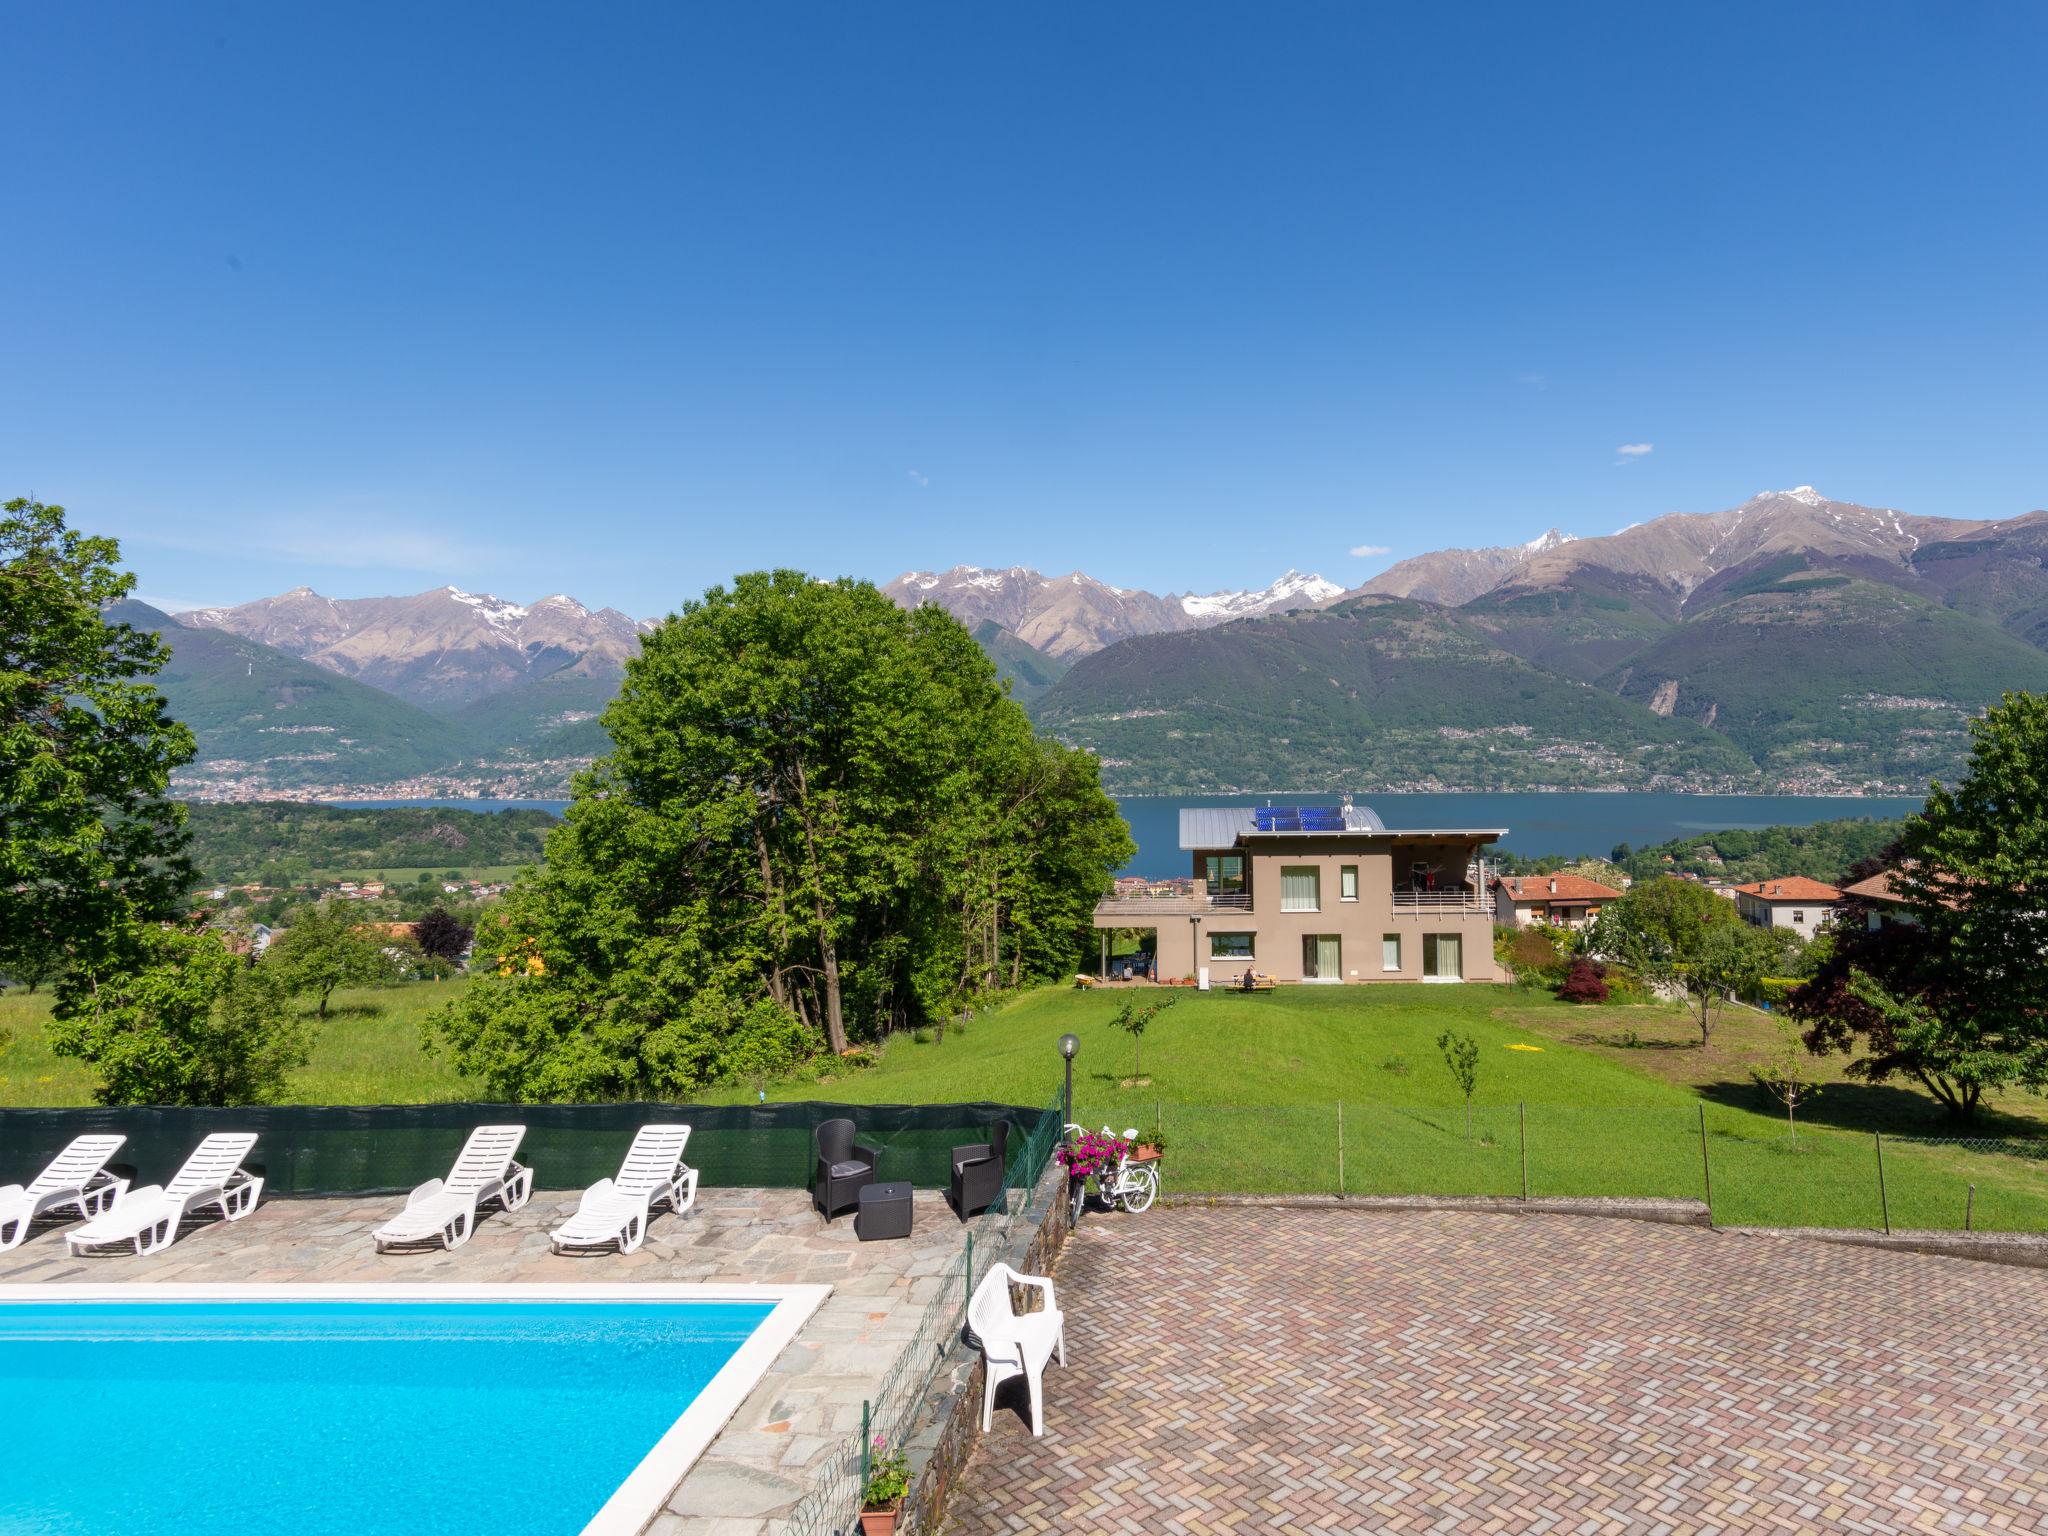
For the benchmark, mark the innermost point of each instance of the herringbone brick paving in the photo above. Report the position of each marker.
(1240, 1370)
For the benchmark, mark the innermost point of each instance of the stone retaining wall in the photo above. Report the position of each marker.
(950, 1423)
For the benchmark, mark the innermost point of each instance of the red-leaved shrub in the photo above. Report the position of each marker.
(1585, 982)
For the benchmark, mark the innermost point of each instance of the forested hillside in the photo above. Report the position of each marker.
(1824, 851)
(1378, 691)
(278, 842)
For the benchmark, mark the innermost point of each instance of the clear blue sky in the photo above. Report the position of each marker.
(617, 301)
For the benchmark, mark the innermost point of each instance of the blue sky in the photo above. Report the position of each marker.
(618, 301)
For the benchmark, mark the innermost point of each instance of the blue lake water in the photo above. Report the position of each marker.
(1537, 824)
(341, 1418)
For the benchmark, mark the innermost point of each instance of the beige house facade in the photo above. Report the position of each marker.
(1794, 902)
(1319, 896)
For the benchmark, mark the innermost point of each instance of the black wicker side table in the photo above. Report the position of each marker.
(884, 1212)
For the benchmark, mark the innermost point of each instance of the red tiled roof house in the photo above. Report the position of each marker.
(1794, 902)
(1565, 901)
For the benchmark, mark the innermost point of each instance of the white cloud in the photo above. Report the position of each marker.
(1633, 451)
(1367, 551)
(917, 478)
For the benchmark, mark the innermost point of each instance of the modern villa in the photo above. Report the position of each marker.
(1318, 894)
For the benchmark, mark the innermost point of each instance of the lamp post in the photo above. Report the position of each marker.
(1070, 1047)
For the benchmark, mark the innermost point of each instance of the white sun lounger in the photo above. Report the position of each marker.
(77, 1176)
(444, 1210)
(617, 1210)
(147, 1218)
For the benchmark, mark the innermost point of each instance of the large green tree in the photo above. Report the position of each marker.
(822, 817)
(90, 841)
(1678, 933)
(1957, 998)
(172, 1017)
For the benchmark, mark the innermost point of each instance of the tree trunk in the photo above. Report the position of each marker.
(828, 949)
(777, 988)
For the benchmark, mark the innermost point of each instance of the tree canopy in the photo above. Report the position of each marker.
(175, 1018)
(1957, 997)
(90, 841)
(1679, 933)
(822, 818)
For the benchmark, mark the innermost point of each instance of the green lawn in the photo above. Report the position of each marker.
(367, 1052)
(1247, 1091)
(1601, 1101)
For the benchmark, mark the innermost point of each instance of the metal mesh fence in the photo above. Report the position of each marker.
(388, 1148)
(1756, 1172)
(833, 1504)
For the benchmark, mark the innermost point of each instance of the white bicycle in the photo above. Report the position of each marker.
(1132, 1184)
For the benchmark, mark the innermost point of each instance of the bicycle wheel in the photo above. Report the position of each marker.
(1142, 1189)
(1078, 1201)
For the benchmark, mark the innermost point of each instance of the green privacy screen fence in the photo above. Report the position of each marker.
(387, 1148)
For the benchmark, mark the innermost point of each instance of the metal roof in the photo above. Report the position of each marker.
(1220, 826)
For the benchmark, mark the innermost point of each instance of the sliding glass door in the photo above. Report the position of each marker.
(1322, 957)
(1443, 957)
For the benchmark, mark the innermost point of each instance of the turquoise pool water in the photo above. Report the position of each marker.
(341, 1418)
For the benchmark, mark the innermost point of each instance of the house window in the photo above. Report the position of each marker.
(1347, 882)
(1443, 957)
(1301, 888)
(1224, 873)
(1390, 952)
(1230, 946)
(1798, 916)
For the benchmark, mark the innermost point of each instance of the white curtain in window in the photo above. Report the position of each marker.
(1300, 891)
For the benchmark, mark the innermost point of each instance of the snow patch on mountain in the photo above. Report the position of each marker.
(494, 611)
(1293, 590)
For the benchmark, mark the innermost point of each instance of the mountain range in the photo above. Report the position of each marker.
(1075, 615)
(1794, 642)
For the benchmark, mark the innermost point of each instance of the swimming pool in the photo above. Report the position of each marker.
(306, 1410)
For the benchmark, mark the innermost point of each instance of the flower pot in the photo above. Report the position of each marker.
(1146, 1155)
(879, 1522)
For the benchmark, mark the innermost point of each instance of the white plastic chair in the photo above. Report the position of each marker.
(617, 1210)
(444, 1210)
(148, 1218)
(77, 1176)
(1015, 1343)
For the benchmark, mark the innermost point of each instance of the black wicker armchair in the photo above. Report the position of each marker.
(844, 1169)
(978, 1172)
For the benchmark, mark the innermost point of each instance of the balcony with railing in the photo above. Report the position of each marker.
(1428, 889)
(1135, 910)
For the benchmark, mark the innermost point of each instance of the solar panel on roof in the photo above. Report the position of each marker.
(1303, 818)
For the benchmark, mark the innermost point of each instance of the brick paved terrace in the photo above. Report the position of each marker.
(1238, 1370)
(801, 1413)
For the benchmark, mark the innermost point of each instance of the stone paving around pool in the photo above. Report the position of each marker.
(1238, 1370)
(804, 1409)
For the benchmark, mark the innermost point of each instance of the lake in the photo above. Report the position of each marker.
(1537, 824)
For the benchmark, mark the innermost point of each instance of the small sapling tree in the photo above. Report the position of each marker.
(1461, 1055)
(1786, 1074)
(1132, 1019)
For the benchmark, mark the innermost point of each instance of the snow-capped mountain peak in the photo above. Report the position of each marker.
(1800, 493)
(494, 611)
(1543, 543)
(1293, 590)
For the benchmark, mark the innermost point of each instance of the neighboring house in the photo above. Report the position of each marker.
(1880, 900)
(259, 938)
(1794, 902)
(1318, 895)
(1566, 901)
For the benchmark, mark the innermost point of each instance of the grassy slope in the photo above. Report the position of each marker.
(368, 1052)
(1246, 1089)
